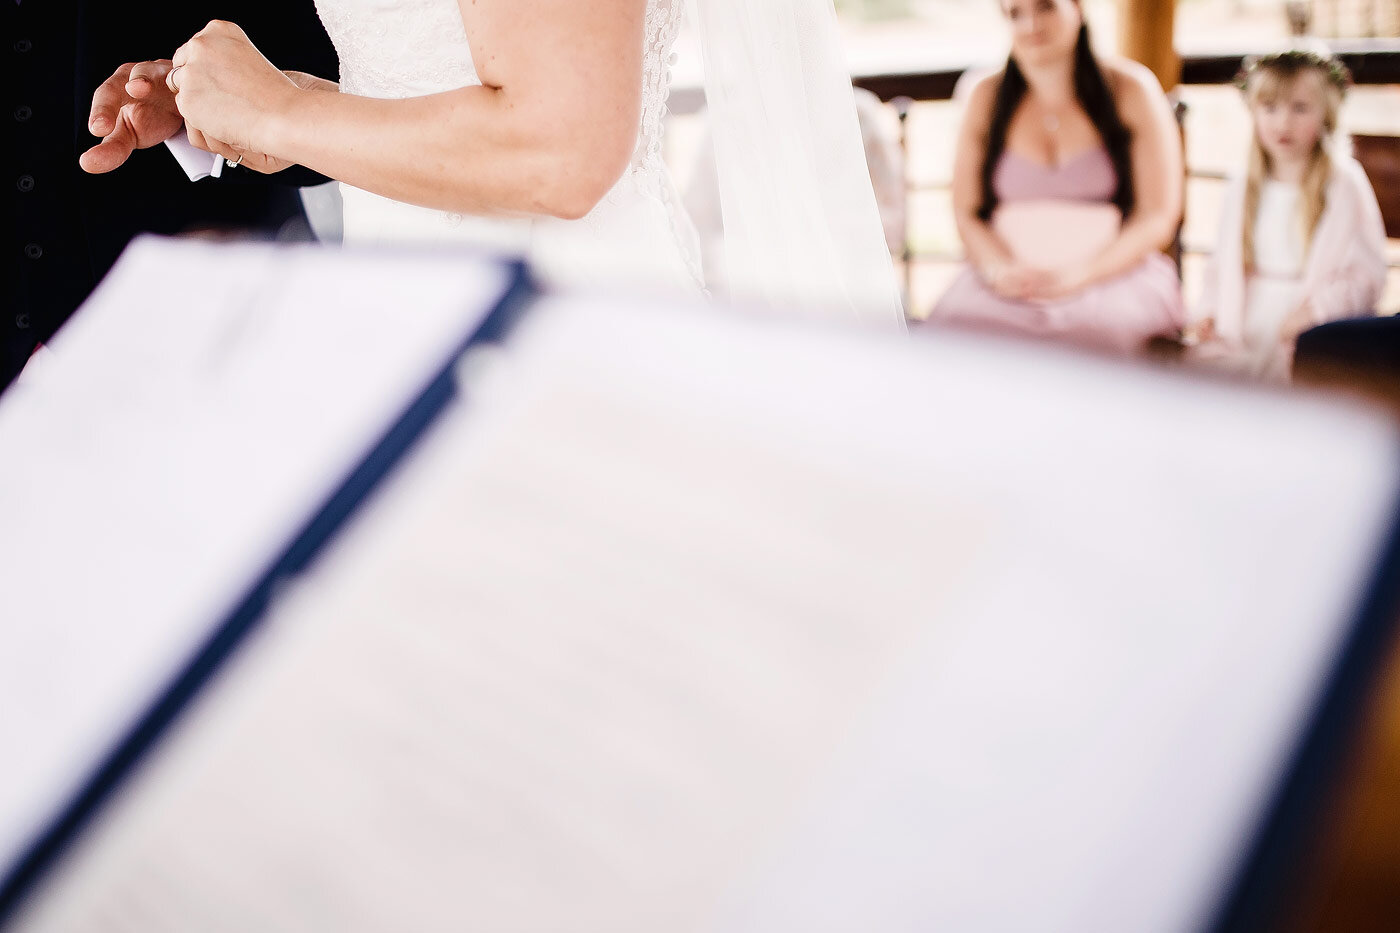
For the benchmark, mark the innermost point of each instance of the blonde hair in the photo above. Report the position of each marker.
(1266, 84)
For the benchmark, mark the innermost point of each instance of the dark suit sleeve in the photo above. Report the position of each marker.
(290, 35)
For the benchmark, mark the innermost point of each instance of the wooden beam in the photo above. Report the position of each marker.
(1146, 33)
(1372, 61)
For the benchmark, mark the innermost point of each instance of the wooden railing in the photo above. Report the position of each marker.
(1372, 61)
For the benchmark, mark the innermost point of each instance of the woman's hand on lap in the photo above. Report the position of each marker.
(1061, 283)
(1016, 281)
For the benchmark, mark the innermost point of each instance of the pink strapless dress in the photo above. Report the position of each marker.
(1118, 314)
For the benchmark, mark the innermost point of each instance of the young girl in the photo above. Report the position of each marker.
(1301, 238)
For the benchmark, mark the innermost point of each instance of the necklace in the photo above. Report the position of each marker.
(1051, 117)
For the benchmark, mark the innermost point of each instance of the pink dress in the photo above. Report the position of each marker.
(1118, 314)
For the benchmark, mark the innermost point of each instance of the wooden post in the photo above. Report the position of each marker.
(1146, 29)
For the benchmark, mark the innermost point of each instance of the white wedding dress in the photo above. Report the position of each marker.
(638, 236)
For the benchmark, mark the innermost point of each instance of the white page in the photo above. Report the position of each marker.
(696, 624)
(191, 418)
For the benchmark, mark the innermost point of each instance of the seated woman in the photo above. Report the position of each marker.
(1066, 186)
(1301, 237)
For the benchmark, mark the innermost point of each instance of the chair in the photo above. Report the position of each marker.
(1179, 110)
(1380, 157)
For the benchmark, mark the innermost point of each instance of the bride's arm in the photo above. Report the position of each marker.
(549, 132)
(309, 82)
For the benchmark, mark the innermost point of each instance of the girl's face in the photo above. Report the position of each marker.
(1290, 116)
(1042, 31)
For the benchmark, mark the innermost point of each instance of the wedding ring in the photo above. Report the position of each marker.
(234, 163)
(172, 81)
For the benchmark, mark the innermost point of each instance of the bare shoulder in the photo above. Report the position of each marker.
(1135, 88)
(978, 92)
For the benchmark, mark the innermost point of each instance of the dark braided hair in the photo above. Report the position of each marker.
(1094, 95)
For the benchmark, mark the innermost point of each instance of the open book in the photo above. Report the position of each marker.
(199, 428)
(679, 620)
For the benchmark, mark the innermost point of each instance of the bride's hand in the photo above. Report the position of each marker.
(229, 94)
(256, 161)
(243, 158)
(259, 161)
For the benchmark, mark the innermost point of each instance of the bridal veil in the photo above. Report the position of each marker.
(800, 217)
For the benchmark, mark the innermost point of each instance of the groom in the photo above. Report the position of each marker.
(69, 224)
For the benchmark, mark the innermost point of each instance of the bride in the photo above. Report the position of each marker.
(536, 126)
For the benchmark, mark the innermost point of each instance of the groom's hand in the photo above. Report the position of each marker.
(133, 109)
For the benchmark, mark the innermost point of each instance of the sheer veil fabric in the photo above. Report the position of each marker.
(802, 228)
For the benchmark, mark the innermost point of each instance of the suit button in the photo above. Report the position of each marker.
(34, 251)
(23, 113)
(23, 45)
(25, 183)
(22, 321)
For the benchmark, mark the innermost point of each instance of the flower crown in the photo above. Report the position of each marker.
(1295, 60)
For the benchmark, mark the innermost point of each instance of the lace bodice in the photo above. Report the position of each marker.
(638, 235)
(410, 48)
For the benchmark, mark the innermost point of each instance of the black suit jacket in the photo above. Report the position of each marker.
(68, 227)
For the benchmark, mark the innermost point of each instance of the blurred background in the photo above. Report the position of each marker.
(917, 49)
